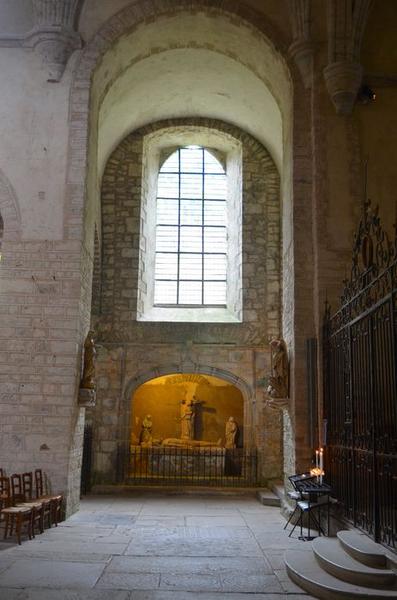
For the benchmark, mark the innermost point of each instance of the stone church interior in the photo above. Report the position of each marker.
(198, 299)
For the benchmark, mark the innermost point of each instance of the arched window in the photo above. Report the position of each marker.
(190, 241)
(191, 230)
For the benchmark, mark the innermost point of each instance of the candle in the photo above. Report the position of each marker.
(321, 465)
(316, 459)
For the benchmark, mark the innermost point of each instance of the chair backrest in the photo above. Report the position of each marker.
(5, 485)
(38, 477)
(27, 484)
(16, 488)
(1, 472)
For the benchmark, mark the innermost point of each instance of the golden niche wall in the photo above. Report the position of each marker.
(163, 399)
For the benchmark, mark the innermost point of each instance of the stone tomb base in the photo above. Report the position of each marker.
(175, 463)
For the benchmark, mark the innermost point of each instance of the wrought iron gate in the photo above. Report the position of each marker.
(360, 354)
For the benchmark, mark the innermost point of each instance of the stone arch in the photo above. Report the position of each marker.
(297, 142)
(133, 383)
(122, 23)
(117, 168)
(10, 218)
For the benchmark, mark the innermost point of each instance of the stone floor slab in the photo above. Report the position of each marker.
(45, 594)
(192, 565)
(253, 584)
(191, 582)
(129, 581)
(177, 595)
(149, 547)
(90, 547)
(27, 573)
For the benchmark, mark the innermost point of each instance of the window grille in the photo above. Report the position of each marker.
(191, 232)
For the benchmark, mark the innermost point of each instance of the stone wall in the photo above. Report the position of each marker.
(134, 351)
(39, 358)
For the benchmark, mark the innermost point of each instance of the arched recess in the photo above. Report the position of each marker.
(266, 65)
(133, 383)
(100, 67)
(260, 193)
(10, 218)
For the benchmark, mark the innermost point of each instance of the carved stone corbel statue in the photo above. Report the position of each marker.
(87, 391)
(278, 382)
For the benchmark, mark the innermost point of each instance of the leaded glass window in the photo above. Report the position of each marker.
(191, 234)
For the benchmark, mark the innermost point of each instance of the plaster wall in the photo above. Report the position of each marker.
(34, 126)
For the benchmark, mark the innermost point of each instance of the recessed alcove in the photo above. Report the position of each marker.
(188, 428)
(216, 401)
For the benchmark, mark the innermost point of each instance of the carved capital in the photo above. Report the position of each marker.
(302, 53)
(346, 21)
(54, 35)
(55, 13)
(343, 80)
(301, 49)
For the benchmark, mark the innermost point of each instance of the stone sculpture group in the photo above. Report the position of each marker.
(188, 413)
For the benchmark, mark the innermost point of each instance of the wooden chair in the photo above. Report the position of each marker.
(17, 516)
(14, 516)
(22, 498)
(5, 492)
(56, 500)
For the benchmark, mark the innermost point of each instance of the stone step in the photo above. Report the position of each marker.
(336, 561)
(365, 550)
(268, 498)
(304, 569)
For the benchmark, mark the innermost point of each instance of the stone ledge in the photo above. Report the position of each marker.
(170, 490)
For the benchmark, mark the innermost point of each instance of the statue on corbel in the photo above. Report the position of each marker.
(87, 391)
(277, 390)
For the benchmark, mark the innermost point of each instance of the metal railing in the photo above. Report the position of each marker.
(205, 466)
(360, 386)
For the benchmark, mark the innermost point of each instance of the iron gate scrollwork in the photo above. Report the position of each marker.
(360, 395)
